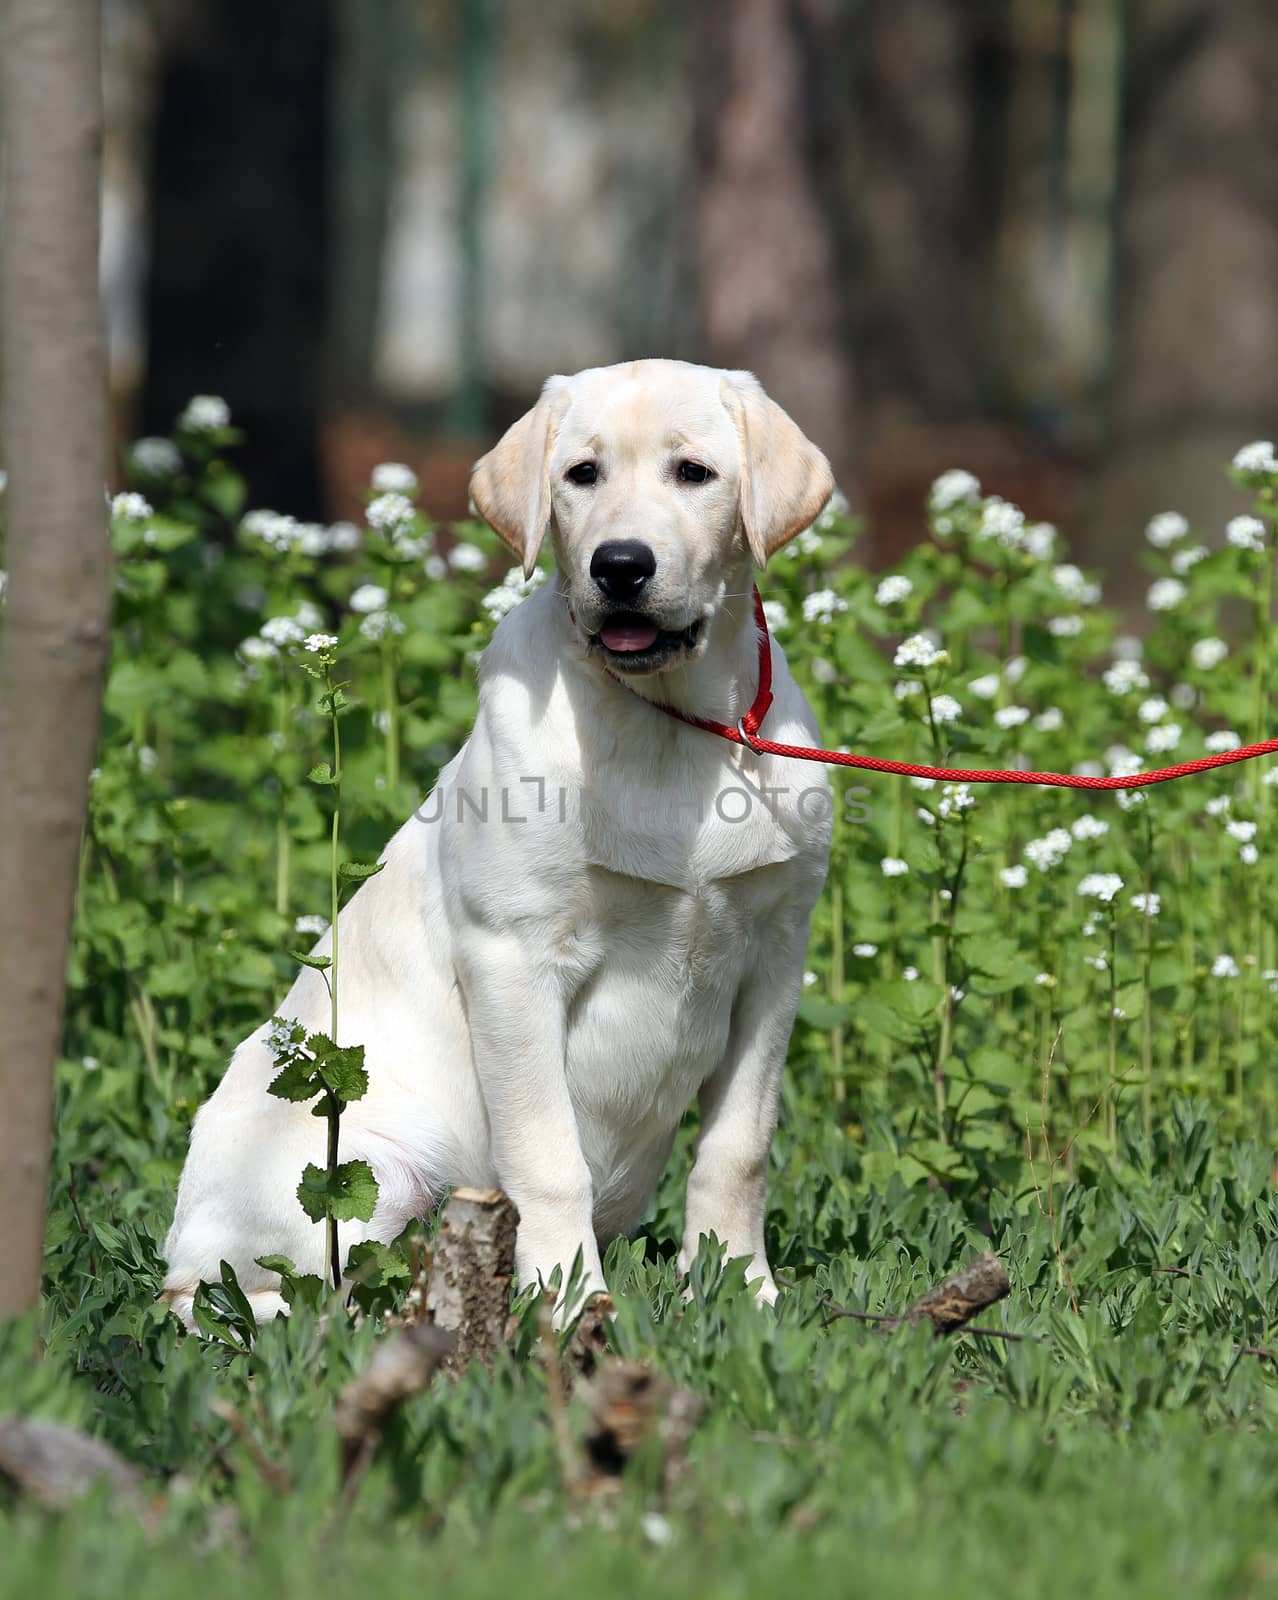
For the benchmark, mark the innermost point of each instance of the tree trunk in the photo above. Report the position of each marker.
(54, 640)
(770, 295)
(1197, 326)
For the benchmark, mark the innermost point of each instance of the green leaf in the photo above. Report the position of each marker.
(348, 1193)
(818, 1013)
(322, 773)
(319, 963)
(299, 1080)
(342, 1070)
(357, 872)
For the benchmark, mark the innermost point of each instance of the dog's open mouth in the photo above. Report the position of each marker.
(634, 643)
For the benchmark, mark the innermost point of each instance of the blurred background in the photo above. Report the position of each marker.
(1034, 238)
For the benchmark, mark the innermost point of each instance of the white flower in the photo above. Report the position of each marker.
(258, 648)
(906, 687)
(344, 537)
(382, 722)
(918, 651)
(280, 533)
(836, 506)
(1129, 800)
(1129, 647)
(389, 512)
(1166, 594)
(1100, 961)
(283, 631)
(807, 542)
(148, 760)
(1148, 904)
(809, 980)
(435, 568)
(775, 615)
(1045, 980)
(513, 588)
(1040, 539)
(1249, 855)
(1218, 805)
(380, 624)
(132, 507)
(1257, 457)
(1101, 885)
(280, 1035)
(945, 708)
(1223, 739)
(1074, 584)
(865, 951)
(925, 817)
(1160, 740)
(1087, 769)
(312, 925)
(1244, 832)
(1164, 529)
(1014, 668)
(954, 488)
(1065, 627)
(823, 606)
(894, 867)
(1014, 877)
(204, 413)
(1011, 716)
(1002, 521)
(1183, 561)
(910, 974)
(893, 590)
(317, 643)
(926, 783)
(1124, 676)
(1224, 967)
(1121, 761)
(1184, 696)
(1270, 778)
(157, 458)
(955, 798)
(1152, 710)
(824, 671)
(985, 688)
(310, 616)
(393, 477)
(1050, 721)
(1208, 653)
(1049, 851)
(369, 597)
(470, 558)
(1246, 533)
(1088, 827)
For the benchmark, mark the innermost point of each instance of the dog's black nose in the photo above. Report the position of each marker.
(621, 567)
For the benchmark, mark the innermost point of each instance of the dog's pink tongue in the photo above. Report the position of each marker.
(628, 635)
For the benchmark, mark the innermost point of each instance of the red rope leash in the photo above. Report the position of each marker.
(746, 733)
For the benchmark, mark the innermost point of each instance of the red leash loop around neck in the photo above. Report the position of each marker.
(746, 733)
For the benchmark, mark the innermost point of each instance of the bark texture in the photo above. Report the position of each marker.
(470, 1278)
(53, 642)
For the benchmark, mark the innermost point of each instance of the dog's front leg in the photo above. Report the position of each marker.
(727, 1188)
(517, 1011)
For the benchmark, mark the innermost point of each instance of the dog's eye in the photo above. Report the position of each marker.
(583, 472)
(694, 472)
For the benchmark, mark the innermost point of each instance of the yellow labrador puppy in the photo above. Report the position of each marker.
(601, 913)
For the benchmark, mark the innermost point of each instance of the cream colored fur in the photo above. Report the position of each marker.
(543, 994)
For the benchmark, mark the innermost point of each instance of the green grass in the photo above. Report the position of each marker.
(1109, 1131)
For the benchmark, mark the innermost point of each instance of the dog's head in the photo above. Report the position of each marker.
(661, 481)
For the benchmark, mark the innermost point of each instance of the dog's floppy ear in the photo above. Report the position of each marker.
(510, 486)
(785, 479)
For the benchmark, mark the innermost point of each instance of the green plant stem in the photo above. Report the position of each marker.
(390, 693)
(1111, 1107)
(283, 839)
(333, 1112)
(837, 1035)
